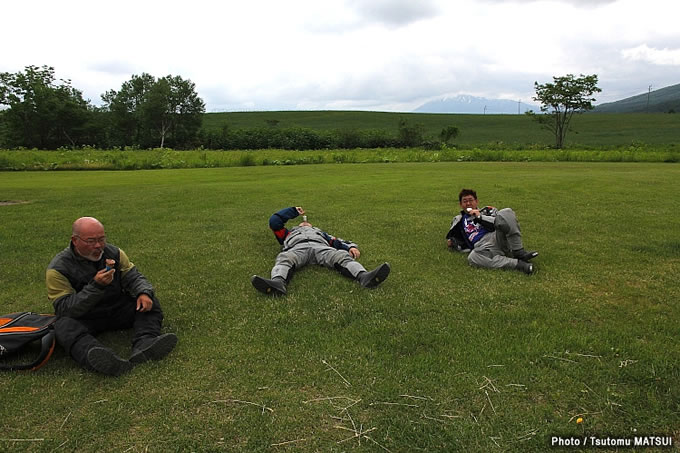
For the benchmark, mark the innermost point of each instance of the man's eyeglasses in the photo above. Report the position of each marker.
(93, 241)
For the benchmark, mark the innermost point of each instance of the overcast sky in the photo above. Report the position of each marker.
(386, 55)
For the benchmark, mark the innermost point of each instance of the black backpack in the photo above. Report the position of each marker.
(18, 330)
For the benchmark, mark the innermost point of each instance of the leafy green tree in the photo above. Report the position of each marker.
(150, 112)
(157, 110)
(125, 110)
(560, 100)
(175, 109)
(411, 134)
(42, 113)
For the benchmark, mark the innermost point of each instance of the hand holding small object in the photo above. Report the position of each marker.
(474, 212)
(104, 277)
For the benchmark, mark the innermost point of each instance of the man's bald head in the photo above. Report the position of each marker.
(85, 223)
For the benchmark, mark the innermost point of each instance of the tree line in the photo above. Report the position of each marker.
(39, 111)
(42, 112)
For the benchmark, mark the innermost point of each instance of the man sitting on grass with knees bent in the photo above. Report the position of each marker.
(305, 244)
(492, 237)
(95, 288)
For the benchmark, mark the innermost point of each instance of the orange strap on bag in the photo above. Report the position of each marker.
(18, 330)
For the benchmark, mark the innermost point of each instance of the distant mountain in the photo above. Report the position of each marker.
(663, 100)
(473, 104)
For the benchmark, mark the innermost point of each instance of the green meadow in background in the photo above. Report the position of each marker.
(516, 131)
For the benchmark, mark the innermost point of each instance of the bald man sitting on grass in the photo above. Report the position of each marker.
(95, 288)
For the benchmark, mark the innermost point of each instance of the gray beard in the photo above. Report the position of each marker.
(94, 260)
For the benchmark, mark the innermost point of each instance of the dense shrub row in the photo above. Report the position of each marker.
(297, 138)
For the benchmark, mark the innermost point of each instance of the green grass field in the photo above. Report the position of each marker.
(589, 130)
(92, 159)
(442, 357)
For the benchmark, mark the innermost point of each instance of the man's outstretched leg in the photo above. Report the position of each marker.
(375, 277)
(341, 261)
(275, 286)
(282, 272)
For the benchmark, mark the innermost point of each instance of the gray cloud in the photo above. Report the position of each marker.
(394, 12)
(402, 86)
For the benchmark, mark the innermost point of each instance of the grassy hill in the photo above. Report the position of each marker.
(475, 130)
(663, 100)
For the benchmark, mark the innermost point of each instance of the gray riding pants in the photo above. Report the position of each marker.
(493, 249)
(315, 253)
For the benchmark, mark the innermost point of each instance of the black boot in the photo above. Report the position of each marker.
(523, 255)
(105, 361)
(275, 286)
(375, 277)
(153, 348)
(525, 267)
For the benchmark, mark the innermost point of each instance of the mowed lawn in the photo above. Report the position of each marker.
(442, 357)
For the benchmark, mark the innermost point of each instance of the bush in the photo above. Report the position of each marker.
(449, 133)
(246, 160)
(410, 135)
(347, 139)
(432, 145)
